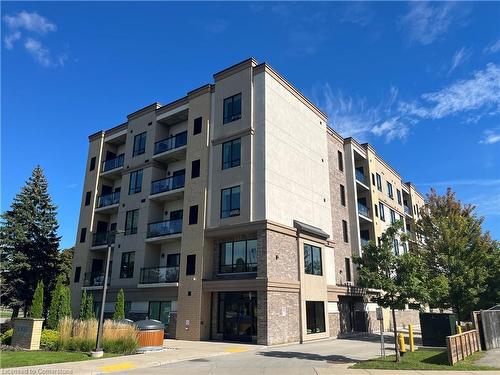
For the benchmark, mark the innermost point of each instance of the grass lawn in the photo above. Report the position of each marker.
(423, 359)
(5, 314)
(18, 359)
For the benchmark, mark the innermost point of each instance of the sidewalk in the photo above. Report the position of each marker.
(174, 351)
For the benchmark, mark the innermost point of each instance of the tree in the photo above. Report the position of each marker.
(29, 243)
(87, 307)
(83, 306)
(60, 305)
(66, 264)
(459, 257)
(36, 308)
(399, 278)
(119, 306)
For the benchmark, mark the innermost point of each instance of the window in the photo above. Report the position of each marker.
(83, 234)
(78, 271)
(373, 179)
(139, 144)
(400, 202)
(232, 108)
(347, 269)
(312, 260)
(173, 260)
(160, 310)
(131, 219)
(197, 125)
(389, 190)
(393, 216)
(396, 247)
(135, 184)
(376, 210)
(88, 196)
(238, 256)
(92, 164)
(344, 230)
(342, 195)
(190, 265)
(193, 215)
(315, 316)
(195, 168)
(127, 265)
(341, 161)
(230, 202)
(382, 213)
(231, 153)
(405, 249)
(379, 182)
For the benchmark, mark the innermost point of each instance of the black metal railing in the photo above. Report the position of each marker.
(155, 275)
(113, 163)
(95, 278)
(164, 228)
(108, 199)
(170, 143)
(101, 238)
(167, 184)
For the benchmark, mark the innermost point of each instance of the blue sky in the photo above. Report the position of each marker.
(419, 81)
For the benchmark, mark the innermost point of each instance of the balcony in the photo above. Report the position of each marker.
(111, 167)
(364, 212)
(172, 148)
(108, 202)
(100, 239)
(364, 242)
(164, 231)
(169, 188)
(407, 210)
(158, 276)
(361, 179)
(94, 279)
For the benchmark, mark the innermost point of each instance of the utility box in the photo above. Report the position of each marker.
(435, 327)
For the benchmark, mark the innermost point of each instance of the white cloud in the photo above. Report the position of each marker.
(30, 22)
(481, 92)
(38, 51)
(491, 136)
(427, 22)
(493, 47)
(391, 129)
(459, 58)
(11, 38)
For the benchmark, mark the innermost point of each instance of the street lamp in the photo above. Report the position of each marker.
(98, 352)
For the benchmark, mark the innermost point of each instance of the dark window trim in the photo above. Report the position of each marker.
(313, 271)
(197, 125)
(78, 272)
(231, 209)
(141, 147)
(137, 188)
(131, 229)
(319, 317)
(128, 271)
(345, 231)
(234, 115)
(191, 265)
(231, 163)
(347, 263)
(195, 168)
(340, 160)
(193, 214)
(342, 195)
(249, 267)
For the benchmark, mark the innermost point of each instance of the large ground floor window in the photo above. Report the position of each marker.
(315, 315)
(237, 318)
(160, 310)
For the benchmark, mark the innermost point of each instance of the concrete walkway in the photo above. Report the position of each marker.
(491, 358)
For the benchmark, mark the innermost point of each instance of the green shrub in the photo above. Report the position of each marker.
(49, 339)
(6, 338)
(126, 345)
(119, 306)
(36, 308)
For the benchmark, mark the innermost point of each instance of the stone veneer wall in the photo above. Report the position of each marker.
(341, 249)
(405, 317)
(334, 322)
(283, 318)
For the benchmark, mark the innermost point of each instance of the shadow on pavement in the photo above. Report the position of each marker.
(309, 356)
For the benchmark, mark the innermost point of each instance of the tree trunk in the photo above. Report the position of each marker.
(15, 312)
(396, 346)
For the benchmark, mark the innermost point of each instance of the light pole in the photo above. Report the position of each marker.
(98, 352)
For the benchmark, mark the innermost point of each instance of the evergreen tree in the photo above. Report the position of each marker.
(461, 260)
(83, 306)
(399, 277)
(36, 308)
(66, 264)
(65, 303)
(29, 243)
(119, 306)
(89, 308)
(60, 305)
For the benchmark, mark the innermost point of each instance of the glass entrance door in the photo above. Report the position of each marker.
(238, 313)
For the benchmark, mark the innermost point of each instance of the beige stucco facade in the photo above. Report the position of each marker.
(219, 195)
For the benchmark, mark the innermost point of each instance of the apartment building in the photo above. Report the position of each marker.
(234, 213)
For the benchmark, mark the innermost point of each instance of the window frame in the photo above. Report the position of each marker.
(381, 211)
(318, 319)
(342, 195)
(232, 162)
(135, 176)
(92, 163)
(134, 219)
(191, 265)
(340, 157)
(197, 125)
(78, 273)
(345, 231)
(233, 116)
(88, 198)
(231, 208)
(127, 265)
(379, 182)
(195, 168)
(83, 234)
(249, 267)
(347, 265)
(193, 215)
(139, 147)
(315, 252)
(390, 193)
(400, 200)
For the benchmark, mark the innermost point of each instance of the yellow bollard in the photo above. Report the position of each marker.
(459, 329)
(410, 337)
(402, 345)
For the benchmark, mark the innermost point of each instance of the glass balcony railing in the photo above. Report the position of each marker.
(101, 238)
(108, 199)
(95, 278)
(155, 275)
(170, 143)
(167, 184)
(364, 242)
(164, 228)
(407, 210)
(363, 210)
(113, 163)
(360, 177)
